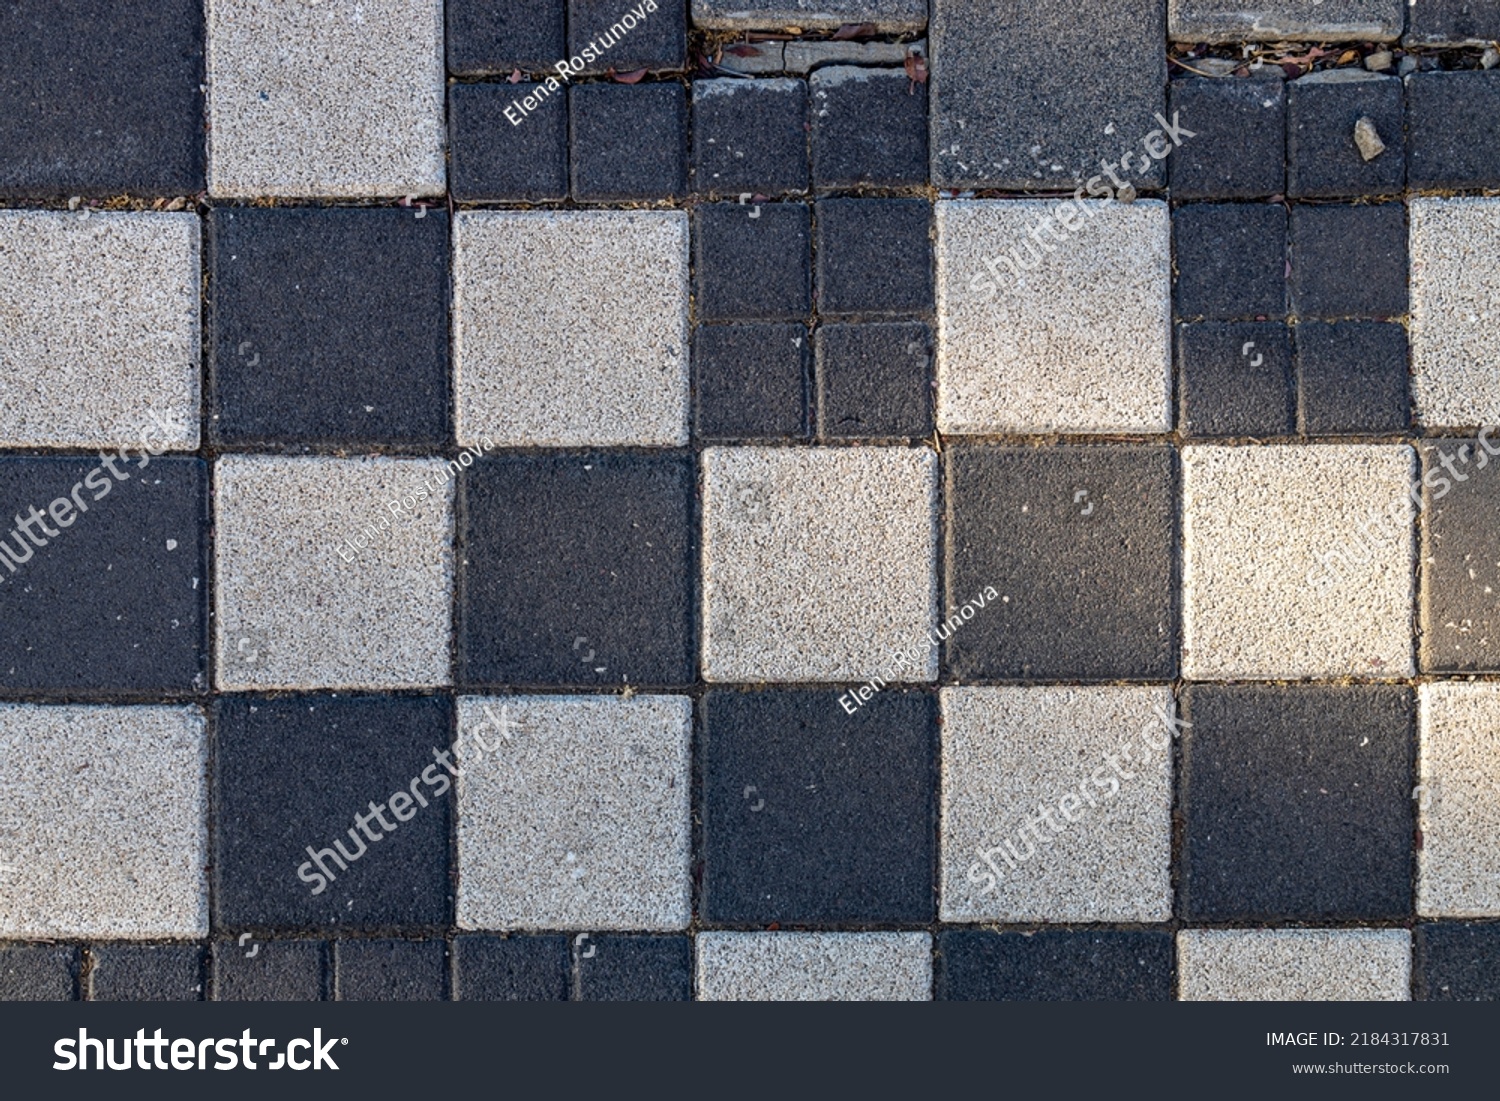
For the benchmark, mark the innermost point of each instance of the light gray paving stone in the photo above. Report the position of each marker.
(1455, 310)
(751, 58)
(1297, 561)
(803, 57)
(889, 16)
(99, 329)
(571, 328)
(1277, 20)
(1102, 850)
(814, 967)
(819, 564)
(1081, 342)
(103, 815)
(325, 99)
(1459, 800)
(1294, 965)
(320, 584)
(579, 816)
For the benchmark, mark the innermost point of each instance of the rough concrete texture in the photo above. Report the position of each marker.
(1278, 20)
(1455, 307)
(818, 564)
(889, 16)
(103, 810)
(1454, 23)
(571, 328)
(319, 584)
(1079, 343)
(1297, 561)
(1008, 753)
(1293, 965)
(341, 99)
(579, 818)
(804, 57)
(814, 967)
(101, 329)
(1458, 865)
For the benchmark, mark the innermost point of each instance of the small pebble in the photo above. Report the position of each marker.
(1408, 66)
(1367, 138)
(1379, 61)
(1490, 58)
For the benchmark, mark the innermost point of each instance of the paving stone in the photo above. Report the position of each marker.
(1294, 965)
(804, 57)
(1230, 261)
(813, 815)
(1239, 138)
(749, 136)
(1450, 119)
(1323, 160)
(293, 534)
(38, 973)
(816, 967)
(1353, 377)
(1454, 23)
(1073, 340)
(752, 59)
(750, 381)
(634, 969)
(324, 101)
(1072, 545)
(1460, 557)
(510, 969)
(1235, 378)
(570, 328)
(578, 570)
(753, 262)
(652, 34)
(146, 973)
(390, 970)
(1286, 20)
(1459, 860)
(1014, 758)
(1454, 282)
(1058, 120)
(292, 774)
(278, 971)
(818, 564)
(875, 380)
(95, 297)
(869, 128)
(874, 256)
(103, 815)
(1458, 962)
(629, 141)
(1297, 562)
(101, 102)
(508, 141)
(889, 16)
(1054, 965)
(599, 787)
(1324, 282)
(485, 38)
(329, 326)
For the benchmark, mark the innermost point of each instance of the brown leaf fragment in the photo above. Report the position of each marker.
(515, 77)
(854, 30)
(627, 78)
(916, 67)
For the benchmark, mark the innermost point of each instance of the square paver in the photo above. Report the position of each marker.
(750, 136)
(633, 969)
(629, 141)
(510, 969)
(1459, 861)
(1458, 962)
(485, 38)
(321, 583)
(875, 380)
(325, 100)
(508, 141)
(146, 973)
(751, 381)
(1230, 261)
(1324, 283)
(104, 814)
(874, 256)
(102, 329)
(869, 128)
(1353, 377)
(1329, 114)
(1294, 965)
(1454, 23)
(1070, 333)
(1297, 562)
(275, 971)
(889, 16)
(753, 263)
(815, 967)
(1450, 120)
(570, 328)
(1460, 557)
(1238, 148)
(390, 970)
(1047, 965)
(627, 36)
(38, 973)
(1285, 20)
(818, 563)
(1057, 804)
(1235, 378)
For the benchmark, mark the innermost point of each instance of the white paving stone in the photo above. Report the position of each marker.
(814, 967)
(1459, 800)
(1294, 965)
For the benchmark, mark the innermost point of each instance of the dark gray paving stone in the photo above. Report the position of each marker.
(1296, 803)
(1042, 125)
(563, 548)
(1078, 543)
(1239, 142)
(290, 775)
(146, 973)
(869, 128)
(487, 38)
(1453, 22)
(1348, 261)
(1450, 120)
(1460, 556)
(629, 141)
(874, 257)
(490, 157)
(1352, 377)
(277, 971)
(510, 969)
(978, 965)
(815, 816)
(1235, 378)
(138, 555)
(1457, 962)
(749, 136)
(1285, 20)
(657, 41)
(634, 969)
(38, 973)
(101, 99)
(390, 970)
(875, 380)
(753, 263)
(750, 381)
(1323, 161)
(329, 326)
(1230, 261)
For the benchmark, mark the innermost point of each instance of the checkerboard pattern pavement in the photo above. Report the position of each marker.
(761, 517)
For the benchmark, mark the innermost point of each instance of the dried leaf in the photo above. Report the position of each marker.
(743, 51)
(916, 67)
(515, 77)
(627, 78)
(854, 30)
(1347, 56)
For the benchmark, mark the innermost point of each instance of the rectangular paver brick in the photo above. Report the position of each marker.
(790, 967)
(613, 968)
(1450, 118)
(869, 128)
(1353, 377)
(1294, 965)
(510, 969)
(1238, 148)
(1230, 261)
(508, 142)
(750, 136)
(1454, 23)
(751, 262)
(484, 37)
(1459, 862)
(1324, 160)
(146, 973)
(274, 971)
(1457, 961)
(1235, 378)
(628, 35)
(874, 380)
(1455, 281)
(1460, 556)
(1054, 965)
(38, 973)
(628, 141)
(1285, 20)
(889, 16)
(390, 970)
(750, 381)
